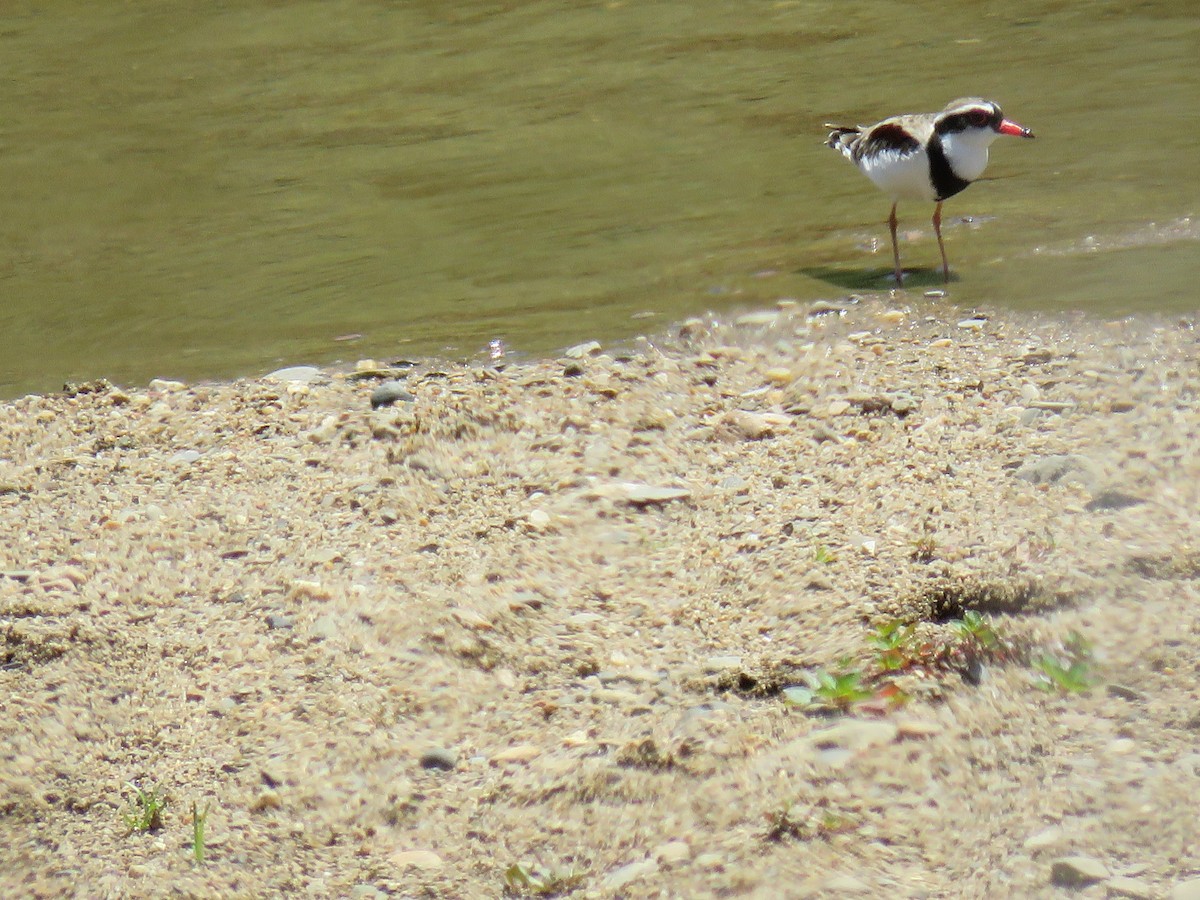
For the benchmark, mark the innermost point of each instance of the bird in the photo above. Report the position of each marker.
(925, 156)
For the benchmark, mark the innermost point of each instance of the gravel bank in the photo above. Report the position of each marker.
(532, 626)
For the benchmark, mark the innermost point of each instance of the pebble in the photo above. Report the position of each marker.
(417, 859)
(469, 618)
(1057, 469)
(715, 664)
(618, 878)
(278, 622)
(1186, 890)
(324, 628)
(521, 753)
(673, 852)
(1112, 500)
(1135, 888)
(185, 457)
(825, 308)
(854, 734)
(1077, 871)
(750, 425)
(390, 392)
(615, 696)
(1045, 838)
(266, 800)
(647, 494)
(845, 884)
(579, 351)
(165, 386)
(439, 758)
(1125, 693)
(917, 728)
(295, 374)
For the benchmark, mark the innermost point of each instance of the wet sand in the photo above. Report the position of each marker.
(536, 628)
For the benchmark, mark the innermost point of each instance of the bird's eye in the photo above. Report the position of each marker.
(978, 118)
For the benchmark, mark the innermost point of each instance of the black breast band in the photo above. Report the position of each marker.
(945, 182)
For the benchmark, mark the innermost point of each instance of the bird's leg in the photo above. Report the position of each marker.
(895, 246)
(937, 229)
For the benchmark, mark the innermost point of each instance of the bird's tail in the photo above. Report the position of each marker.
(843, 138)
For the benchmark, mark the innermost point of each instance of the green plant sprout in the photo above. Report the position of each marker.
(199, 820)
(830, 690)
(145, 809)
(521, 879)
(892, 645)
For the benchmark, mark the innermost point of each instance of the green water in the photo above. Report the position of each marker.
(208, 189)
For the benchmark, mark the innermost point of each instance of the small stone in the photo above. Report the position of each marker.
(279, 623)
(417, 859)
(1122, 746)
(1124, 886)
(854, 734)
(366, 892)
(266, 800)
(1186, 890)
(309, 590)
(715, 664)
(294, 374)
(825, 308)
(469, 618)
(974, 324)
(837, 407)
(165, 386)
(521, 753)
(324, 432)
(1043, 839)
(185, 457)
(673, 852)
(324, 628)
(1058, 469)
(618, 878)
(845, 884)
(439, 758)
(750, 425)
(1077, 871)
(1113, 500)
(779, 375)
(757, 319)
(579, 351)
(538, 519)
(917, 728)
(1125, 693)
(390, 392)
(615, 696)
(647, 494)
(903, 404)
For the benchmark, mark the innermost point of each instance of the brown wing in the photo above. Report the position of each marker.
(886, 136)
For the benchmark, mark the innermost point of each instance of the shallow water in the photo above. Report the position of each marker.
(203, 189)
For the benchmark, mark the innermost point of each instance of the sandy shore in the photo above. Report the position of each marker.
(537, 627)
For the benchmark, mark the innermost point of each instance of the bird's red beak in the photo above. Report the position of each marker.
(1007, 127)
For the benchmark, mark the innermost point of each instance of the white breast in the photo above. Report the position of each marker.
(903, 176)
(967, 151)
